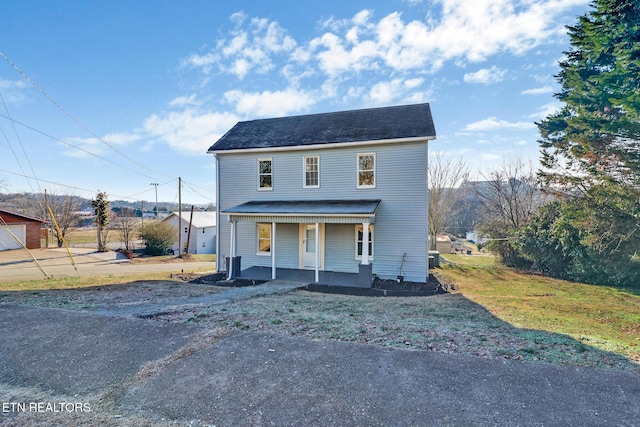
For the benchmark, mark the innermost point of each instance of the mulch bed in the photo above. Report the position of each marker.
(387, 288)
(380, 287)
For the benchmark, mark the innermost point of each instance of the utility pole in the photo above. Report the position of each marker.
(155, 184)
(179, 217)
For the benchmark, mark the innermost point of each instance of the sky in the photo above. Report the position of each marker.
(114, 96)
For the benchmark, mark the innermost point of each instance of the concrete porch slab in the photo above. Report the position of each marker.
(332, 278)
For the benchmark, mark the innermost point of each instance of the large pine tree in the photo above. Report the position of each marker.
(591, 149)
(594, 138)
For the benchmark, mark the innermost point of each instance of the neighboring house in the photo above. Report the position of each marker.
(27, 229)
(306, 192)
(202, 239)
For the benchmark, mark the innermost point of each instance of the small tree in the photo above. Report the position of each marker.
(66, 212)
(509, 199)
(127, 227)
(102, 208)
(445, 193)
(158, 237)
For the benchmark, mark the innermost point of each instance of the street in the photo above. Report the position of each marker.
(17, 265)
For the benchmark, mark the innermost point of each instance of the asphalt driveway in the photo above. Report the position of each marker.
(126, 368)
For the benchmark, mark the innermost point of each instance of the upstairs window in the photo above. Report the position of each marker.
(265, 174)
(366, 170)
(311, 172)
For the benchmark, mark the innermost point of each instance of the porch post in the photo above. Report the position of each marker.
(317, 252)
(232, 249)
(273, 251)
(365, 243)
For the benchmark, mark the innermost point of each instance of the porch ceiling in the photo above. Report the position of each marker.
(305, 211)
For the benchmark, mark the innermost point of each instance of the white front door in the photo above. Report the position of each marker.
(308, 246)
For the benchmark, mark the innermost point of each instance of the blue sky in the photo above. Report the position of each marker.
(113, 96)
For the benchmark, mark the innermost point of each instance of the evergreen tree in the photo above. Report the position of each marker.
(591, 151)
(102, 208)
(596, 134)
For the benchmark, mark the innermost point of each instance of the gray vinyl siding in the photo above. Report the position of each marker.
(400, 221)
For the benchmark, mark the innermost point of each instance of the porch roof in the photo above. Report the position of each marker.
(305, 211)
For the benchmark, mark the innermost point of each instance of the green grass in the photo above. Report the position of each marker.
(79, 282)
(599, 316)
(495, 312)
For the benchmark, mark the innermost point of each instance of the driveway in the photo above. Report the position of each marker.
(17, 265)
(127, 371)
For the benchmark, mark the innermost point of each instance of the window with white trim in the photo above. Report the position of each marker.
(263, 232)
(359, 236)
(366, 170)
(311, 166)
(265, 174)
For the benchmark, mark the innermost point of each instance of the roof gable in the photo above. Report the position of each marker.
(374, 124)
(9, 214)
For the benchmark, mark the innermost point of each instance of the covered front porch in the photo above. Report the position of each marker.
(312, 217)
(329, 278)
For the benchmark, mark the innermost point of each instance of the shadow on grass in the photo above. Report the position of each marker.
(476, 327)
(448, 323)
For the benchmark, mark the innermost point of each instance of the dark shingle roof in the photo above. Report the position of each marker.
(405, 121)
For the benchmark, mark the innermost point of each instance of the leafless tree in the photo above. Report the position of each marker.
(445, 192)
(128, 230)
(65, 210)
(511, 194)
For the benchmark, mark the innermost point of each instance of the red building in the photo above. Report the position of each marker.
(27, 229)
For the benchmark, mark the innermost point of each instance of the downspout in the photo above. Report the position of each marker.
(217, 166)
(427, 207)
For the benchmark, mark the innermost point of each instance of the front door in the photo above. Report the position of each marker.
(308, 246)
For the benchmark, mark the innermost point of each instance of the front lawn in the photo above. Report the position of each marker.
(597, 316)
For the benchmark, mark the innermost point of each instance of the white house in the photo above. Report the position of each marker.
(202, 239)
(309, 192)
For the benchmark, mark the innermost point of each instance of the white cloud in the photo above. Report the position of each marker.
(249, 47)
(546, 110)
(86, 148)
(13, 91)
(386, 92)
(365, 48)
(205, 62)
(182, 101)
(464, 32)
(486, 76)
(493, 123)
(538, 90)
(490, 156)
(189, 131)
(270, 103)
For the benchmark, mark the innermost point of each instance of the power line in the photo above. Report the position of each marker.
(193, 191)
(13, 126)
(75, 146)
(72, 117)
(65, 185)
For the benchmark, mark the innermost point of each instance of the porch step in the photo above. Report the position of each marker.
(292, 284)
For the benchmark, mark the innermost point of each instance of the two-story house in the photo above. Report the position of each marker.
(333, 192)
